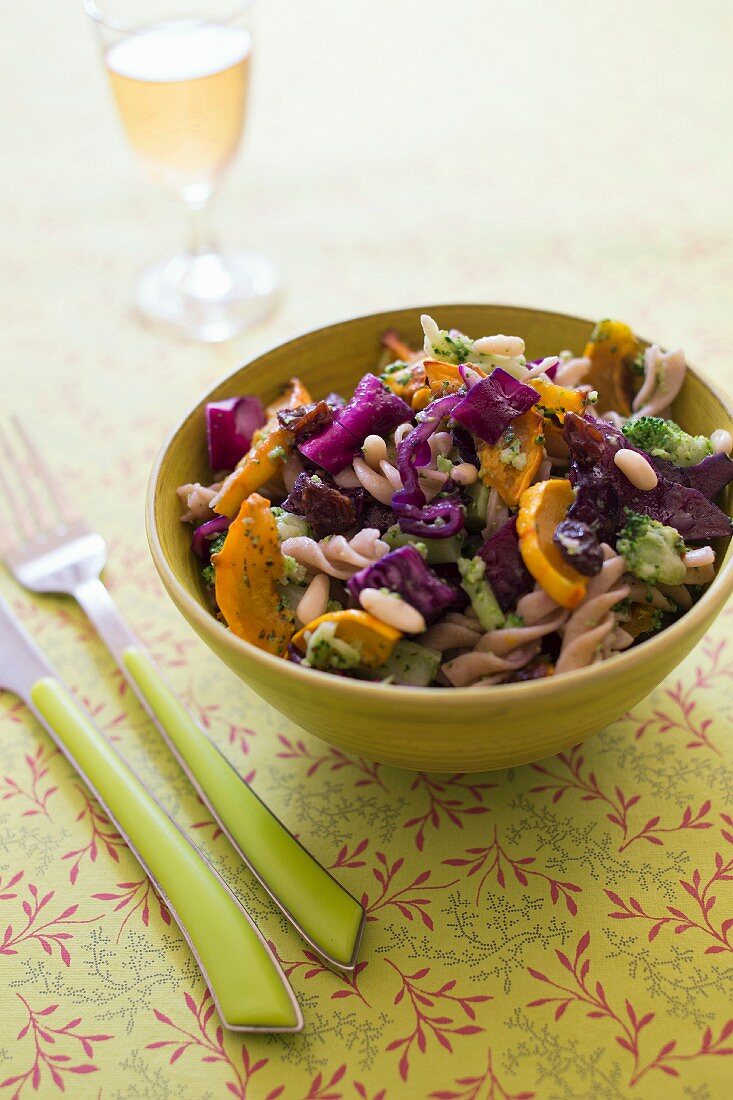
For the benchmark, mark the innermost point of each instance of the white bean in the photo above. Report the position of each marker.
(374, 450)
(635, 467)
(314, 601)
(392, 610)
(465, 473)
(701, 555)
(722, 441)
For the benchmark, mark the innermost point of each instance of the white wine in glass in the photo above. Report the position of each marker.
(179, 72)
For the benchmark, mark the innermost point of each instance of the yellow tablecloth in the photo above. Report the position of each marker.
(562, 930)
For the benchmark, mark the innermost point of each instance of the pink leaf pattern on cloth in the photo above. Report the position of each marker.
(55, 1051)
(478, 892)
(591, 999)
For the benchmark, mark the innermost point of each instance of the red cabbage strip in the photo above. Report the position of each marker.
(490, 405)
(439, 520)
(404, 571)
(414, 450)
(203, 535)
(373, 410)
(230, 425)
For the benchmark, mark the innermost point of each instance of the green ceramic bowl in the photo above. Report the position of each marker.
(464, 729)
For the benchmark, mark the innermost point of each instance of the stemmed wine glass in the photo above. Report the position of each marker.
(179, 72)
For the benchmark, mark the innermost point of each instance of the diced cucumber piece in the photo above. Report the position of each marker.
(480, 592)
(435, 551)
(410, 664)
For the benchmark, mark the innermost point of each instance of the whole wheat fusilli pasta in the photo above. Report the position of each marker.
(497, 513)
(292, 468)
(594, 619)
(384, 482)
(640, 592)
(571, 372)
(678, 594)
(455, 631)
(337, 556)
(375, 483)
(535, 606)
(664, 373)
(465, 670)
(197, 499)
(615, 641)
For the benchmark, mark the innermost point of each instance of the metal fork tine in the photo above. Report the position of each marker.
(42, 472)
(21, 514)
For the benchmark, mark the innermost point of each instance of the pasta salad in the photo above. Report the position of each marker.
(465, 517)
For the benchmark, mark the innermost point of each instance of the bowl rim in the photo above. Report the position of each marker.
(716, 594)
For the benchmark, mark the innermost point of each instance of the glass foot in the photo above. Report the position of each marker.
(209, 296)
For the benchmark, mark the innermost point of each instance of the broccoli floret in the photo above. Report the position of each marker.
(652, 550)
(480, 592)
(665, 439)
(215, 544)
(293, 571)
(208, 572)
(324, 650)
(289, 525)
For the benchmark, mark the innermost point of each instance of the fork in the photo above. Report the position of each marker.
(246, 981)
(59, 553)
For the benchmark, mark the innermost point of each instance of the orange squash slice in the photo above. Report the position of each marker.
(271, 446)
(421, 398)
(611, 349)
(557, 400)
(446, 377)
(541, 508)
(247, 571)
(511, 464)
(374, 639)
(555, 444)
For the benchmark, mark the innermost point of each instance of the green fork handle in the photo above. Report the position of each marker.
(246, 982)
(329, 918)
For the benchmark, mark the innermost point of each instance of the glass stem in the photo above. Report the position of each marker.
(201, 239)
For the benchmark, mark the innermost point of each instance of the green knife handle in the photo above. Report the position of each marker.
(329, 917)
(248, 987)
